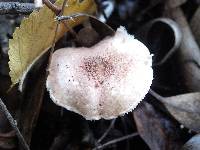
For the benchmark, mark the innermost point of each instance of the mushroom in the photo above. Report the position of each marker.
(104, 81)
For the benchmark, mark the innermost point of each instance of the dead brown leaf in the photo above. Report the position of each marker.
(158, 131)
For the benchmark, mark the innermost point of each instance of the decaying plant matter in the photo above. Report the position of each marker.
(92, 66)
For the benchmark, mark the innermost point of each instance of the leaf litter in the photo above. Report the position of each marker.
(184, 108)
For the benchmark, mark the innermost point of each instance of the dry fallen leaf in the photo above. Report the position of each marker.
(193, 143)
(36, 33)
(156, 129)
(184, 108)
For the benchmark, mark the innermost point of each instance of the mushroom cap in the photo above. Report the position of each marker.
(103, 81)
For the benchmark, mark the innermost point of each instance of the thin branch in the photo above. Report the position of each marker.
(107, 131)
(116, 141)
(59, 12)
(124, 124)
(58, 23)
(74, 15)
(65, 24)
(56, 30)
(13, 123)
(16, 8)
(63, 7)
(53, 7)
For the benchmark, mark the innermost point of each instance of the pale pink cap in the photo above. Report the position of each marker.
(104, 81)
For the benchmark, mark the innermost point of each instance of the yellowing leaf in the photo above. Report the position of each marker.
(36, 34)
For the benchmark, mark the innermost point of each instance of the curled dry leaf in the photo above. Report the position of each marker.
(103, 81)
(188, 53)
(193, 143)
(36, 33)
(184, 108)
(167, 28)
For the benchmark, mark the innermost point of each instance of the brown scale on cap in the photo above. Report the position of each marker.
(101, 68)
(98, 68)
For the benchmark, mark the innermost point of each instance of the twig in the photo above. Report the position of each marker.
(124, 124)
(53, 7)
(65, 24)
(63, 18)
(59, 12)
(56, 30)
(107, 131)
(63, 7)
(116, 141)
(16, 8)
(13, 123)
(72, 16)
(57, 25)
